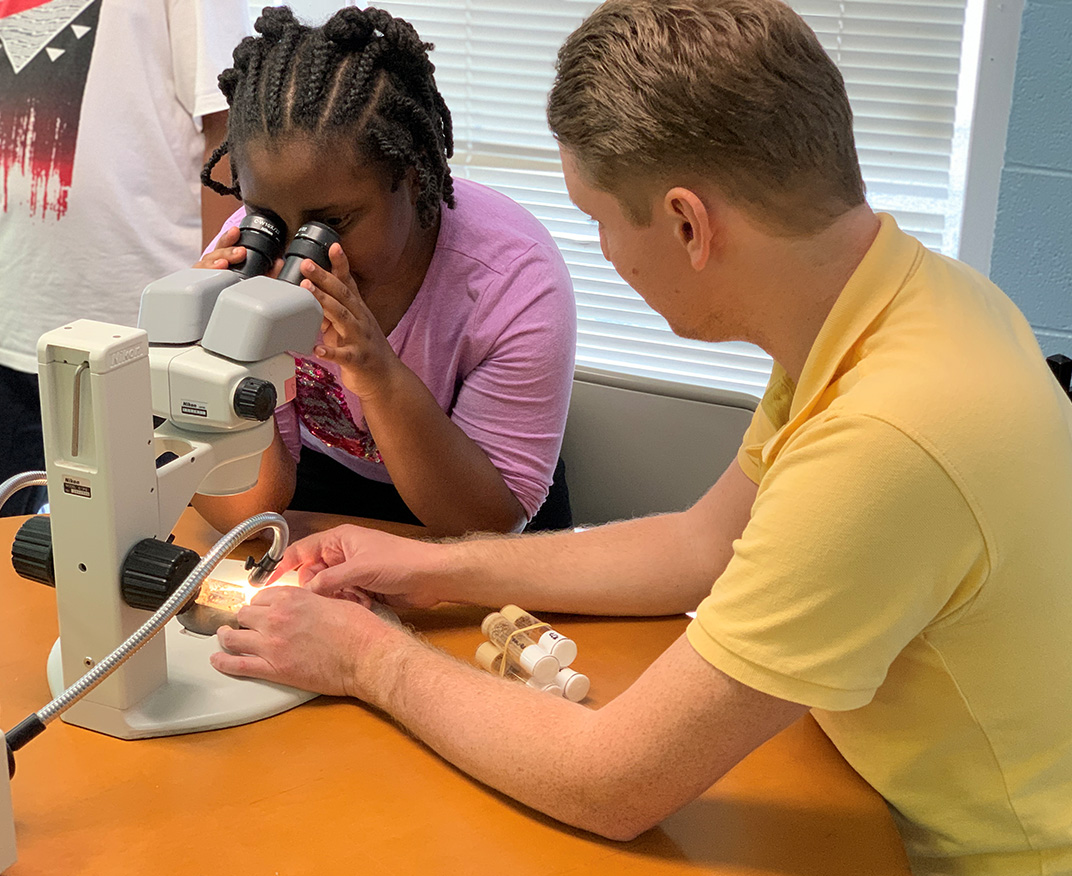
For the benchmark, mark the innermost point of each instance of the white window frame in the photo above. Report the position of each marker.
(995, 25)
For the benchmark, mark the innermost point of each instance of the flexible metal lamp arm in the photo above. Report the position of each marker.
(34, 724)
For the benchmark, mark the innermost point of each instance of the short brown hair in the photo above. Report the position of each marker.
(736, 92)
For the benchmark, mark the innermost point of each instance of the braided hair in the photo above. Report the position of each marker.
(363, 74)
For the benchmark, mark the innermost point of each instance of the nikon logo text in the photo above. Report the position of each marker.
(120, 357)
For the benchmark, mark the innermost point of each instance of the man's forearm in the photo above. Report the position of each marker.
(529, 745)
(648, 566)
(664, 564)
(615, 771)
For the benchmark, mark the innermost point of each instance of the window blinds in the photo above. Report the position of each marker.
(494, 65)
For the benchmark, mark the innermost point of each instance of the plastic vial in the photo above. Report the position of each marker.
(574, 685)
(490, 658)
(520, 649)
(562, 648)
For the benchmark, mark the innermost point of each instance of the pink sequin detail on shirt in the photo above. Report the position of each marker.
(322, 408)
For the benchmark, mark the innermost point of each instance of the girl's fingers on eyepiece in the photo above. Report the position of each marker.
(229, 237)
(319, 275)
(335, 311)
(327, 282)
(221, 258)
(340, 265)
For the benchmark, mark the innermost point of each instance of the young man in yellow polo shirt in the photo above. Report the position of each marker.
(892, 548)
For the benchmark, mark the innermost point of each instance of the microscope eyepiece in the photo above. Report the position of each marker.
(263, 240)
(312, 241)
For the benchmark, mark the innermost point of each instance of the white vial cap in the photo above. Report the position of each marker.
(574, 685)
(564, 650)
(539, 664)
(547, 688)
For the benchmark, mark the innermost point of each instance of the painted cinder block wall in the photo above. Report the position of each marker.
(1032, 253)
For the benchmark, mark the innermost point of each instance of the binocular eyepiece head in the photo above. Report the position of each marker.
(264, 241)
(312, 241)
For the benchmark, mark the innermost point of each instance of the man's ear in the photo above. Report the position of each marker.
(692, 224)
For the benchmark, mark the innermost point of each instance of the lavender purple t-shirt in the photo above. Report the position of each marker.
(491, 333)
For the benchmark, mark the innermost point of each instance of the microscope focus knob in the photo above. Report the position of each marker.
(31, 552)
(255, 399)
(153, 570)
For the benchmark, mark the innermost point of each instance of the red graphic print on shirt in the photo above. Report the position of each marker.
(323, 410)
(45, 48)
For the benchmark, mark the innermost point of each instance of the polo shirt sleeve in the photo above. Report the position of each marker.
(858, 539)
(771, 413)
(750, 453)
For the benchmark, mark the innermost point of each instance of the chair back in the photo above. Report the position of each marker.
(635, 446)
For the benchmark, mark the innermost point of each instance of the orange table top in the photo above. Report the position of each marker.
(333, 786)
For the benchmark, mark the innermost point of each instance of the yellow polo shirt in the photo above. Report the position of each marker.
(907, 568)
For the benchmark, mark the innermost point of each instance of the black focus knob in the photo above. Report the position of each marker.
(255, 399)
(31, 552)
(153, 570)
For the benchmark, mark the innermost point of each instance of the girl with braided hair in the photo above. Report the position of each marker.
(438, 388)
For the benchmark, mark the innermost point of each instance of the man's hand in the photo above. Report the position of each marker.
(294, 637)
(350, 561)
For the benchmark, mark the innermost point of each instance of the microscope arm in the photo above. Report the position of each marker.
(229, 458)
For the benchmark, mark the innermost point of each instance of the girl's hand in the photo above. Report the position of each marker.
(351, 336)
(226, 253)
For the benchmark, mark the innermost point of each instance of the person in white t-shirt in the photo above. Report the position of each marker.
(108, 109)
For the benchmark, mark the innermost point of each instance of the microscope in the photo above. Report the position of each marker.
(135, 421)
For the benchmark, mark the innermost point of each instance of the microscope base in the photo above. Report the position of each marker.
(196, 697)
